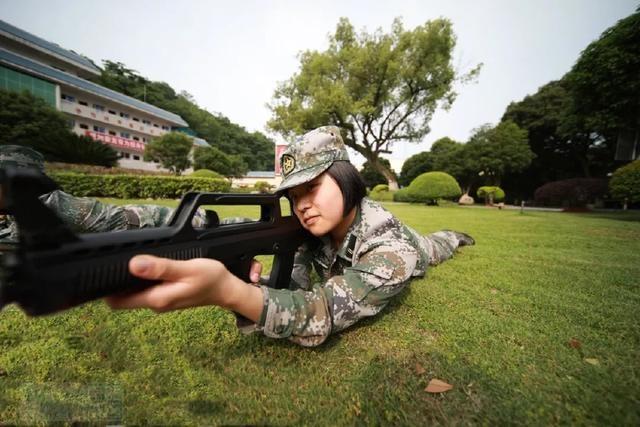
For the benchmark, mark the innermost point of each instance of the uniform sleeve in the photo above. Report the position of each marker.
(309, 317)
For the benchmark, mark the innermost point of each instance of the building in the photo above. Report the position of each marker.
(63, 79)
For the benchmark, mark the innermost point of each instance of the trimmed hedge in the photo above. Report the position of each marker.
(625, 182)
(136, 187)
(402, 195)
(431, 186)
(381, 193)
(570, 193)
(206, 173)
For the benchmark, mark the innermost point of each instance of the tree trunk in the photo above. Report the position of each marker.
(391, 179)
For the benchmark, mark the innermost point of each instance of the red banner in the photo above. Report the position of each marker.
(116, 141)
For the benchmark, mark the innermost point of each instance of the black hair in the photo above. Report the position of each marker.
(350, 183)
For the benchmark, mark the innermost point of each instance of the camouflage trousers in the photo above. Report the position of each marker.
(86, 215)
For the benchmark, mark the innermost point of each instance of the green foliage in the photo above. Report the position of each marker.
(414, 166)
(205, 173)
(499, 150)
(570, 193)
(381, 193)
(371, 176)
(171, 150)
(254, 149)
(28, 120)
(625, 182)
(131, 186)
(262, 186)
(214, 159)
(605, 82)
(490, 194)
(431, 186)
(378, 87)
(402, 195)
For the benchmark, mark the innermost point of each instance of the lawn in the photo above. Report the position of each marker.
(537, 324)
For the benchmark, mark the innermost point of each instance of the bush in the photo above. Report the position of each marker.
(490, 194)
(206, 173)
(574, 192)
(625, 182)
(431, 186)
(136, 187)
(402, 195)
(262, 186)
(381, 193)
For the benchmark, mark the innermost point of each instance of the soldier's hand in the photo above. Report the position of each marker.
(254, 272)
(191, 283)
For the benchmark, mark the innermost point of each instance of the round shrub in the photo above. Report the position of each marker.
(570, 193)
(625, 182)
(262, 186)
(431, 186)
(490, 194)
(402, 195)
(381, 193)
(206, 173)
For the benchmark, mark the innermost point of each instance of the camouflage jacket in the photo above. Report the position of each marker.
(376, 261)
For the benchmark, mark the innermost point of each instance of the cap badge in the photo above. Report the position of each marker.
(288, 164)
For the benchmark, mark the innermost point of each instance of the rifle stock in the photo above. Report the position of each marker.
(53, 269)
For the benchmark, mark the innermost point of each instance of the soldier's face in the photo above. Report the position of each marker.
(318, 204)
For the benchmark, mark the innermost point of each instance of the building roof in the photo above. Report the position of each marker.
(260, 174)
(200, 142)
(51, 74)
(49, 47)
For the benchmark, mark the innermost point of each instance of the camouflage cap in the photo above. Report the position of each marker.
(22, 157)
(310, 155)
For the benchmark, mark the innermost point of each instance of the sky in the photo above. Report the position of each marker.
(230, 55)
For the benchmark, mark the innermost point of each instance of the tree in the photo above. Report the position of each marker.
(414, 166)
(431, 186)
(605, 81)
(171, 150)
(372, 176)
(625, 183)
(214, 159)
(499, 150)
(28, 120)
(379, 88)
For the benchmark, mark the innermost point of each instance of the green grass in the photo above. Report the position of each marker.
(497, 322)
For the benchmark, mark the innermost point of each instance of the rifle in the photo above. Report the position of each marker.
(52, 268)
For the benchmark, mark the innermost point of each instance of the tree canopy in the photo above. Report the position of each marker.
(171, 150)
(380, 88)
(213, 159)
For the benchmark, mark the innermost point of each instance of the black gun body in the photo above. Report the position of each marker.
(45, 276)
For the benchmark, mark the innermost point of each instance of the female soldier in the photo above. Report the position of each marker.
(364, 255)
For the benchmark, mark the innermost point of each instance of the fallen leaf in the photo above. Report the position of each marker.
(419, 369)
(592, 361)
(437, 386)
(574, 343)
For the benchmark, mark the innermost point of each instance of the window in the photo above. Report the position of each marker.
(112, 112)
(144, 139)
(124, 115)
(125, 134)
(98, 129)
(83, 103)
(83, 126)
(136, 157)
(112, 133)
(135, 138)
(135, 119)
(146, 122)
(71, 124)
(165, 127)
(155, 125)
(67, 98)
(98, 107)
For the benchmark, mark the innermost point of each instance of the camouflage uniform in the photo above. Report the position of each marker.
(378, 257)
(83, 214)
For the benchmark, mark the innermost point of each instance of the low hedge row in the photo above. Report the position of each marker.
(136, 187)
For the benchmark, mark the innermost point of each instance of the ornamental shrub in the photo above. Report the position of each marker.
(262, 186)
(625, 182)
(569, 193)
(431, 186)
(381, 193)
(490, 194)
(136, 187)
(206, 173)
(402, 195)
